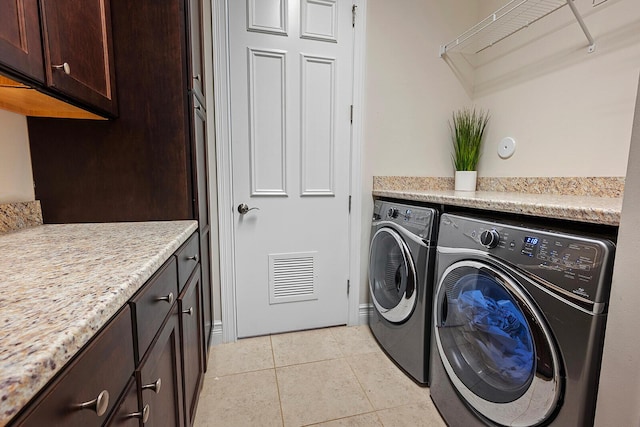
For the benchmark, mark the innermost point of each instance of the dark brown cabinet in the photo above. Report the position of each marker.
(78, 53)
(160, 378)
(53, 50)
(150, 163)
(191, 334)
(145, 367)
(20, 43)
(86, 391)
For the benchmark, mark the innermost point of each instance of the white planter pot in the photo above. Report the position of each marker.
(466, 180)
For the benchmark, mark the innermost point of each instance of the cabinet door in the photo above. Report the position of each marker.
(199, 145)
(80, 37)
(197, 67)
(191, 333)
(127, 413)
(20, 45)
(159, 377)
(207, 294)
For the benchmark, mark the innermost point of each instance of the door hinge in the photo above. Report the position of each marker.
(348, 286)
(351, 114)
(349, 204)
(353, 15)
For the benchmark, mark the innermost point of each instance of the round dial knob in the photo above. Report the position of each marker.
(490, 238)
(393, 213)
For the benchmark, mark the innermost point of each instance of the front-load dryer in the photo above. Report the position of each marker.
(519, 318)
(401, 271)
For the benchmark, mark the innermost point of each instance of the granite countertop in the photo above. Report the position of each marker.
(589, 209)
(60, 285)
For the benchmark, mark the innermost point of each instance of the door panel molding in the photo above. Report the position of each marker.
(267, 121)
(259, 21)
(317, 110)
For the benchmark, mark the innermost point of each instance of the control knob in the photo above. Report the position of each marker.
(489, 238)
(393, 212)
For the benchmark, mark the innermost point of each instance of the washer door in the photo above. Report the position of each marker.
(495, 345)
(392, 276)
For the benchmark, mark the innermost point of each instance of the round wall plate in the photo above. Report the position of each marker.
(507, 147)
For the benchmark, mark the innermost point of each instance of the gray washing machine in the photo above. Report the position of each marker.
(401, 272)
(519, 319)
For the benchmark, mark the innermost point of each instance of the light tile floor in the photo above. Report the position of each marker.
(325, 377)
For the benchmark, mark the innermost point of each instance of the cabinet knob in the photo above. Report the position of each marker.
(168, 298)
(64, 67)
(99, 404)
(189, 312)
(144, 415)
(155, 386)
(193, 258)
(196, 77)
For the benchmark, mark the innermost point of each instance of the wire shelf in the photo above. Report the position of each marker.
(509, 19)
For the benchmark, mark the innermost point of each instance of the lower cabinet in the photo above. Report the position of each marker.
(160, 378)
(192, 343)
(144, 368)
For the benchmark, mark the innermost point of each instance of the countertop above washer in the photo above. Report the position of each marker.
(589, 209)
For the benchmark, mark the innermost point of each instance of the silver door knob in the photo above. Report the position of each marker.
(99, 404)
(243, 208)
(65, 67)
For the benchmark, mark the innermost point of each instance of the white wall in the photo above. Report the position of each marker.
(619, 391)
(409, 94)
(570, 112)
(16, 177)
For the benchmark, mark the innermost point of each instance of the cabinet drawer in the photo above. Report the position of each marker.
(188, 256)
(152, 304)
(104, 365)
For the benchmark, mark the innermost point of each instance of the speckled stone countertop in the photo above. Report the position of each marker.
(60, 285)
(589, 209)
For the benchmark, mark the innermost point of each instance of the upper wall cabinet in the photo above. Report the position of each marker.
(54, 50)
(78, 53)
(20, 45)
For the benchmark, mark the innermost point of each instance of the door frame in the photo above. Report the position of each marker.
(222, 125)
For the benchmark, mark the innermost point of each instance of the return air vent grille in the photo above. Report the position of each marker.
(292, 277)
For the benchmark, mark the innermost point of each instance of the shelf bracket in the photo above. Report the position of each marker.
(592, 42)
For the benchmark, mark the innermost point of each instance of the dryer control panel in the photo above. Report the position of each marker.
(571, 263)
(419, 220)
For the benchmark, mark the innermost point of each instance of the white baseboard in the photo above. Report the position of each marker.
(216, 333)
(365, 310)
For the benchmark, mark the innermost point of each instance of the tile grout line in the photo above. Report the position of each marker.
(275, 371)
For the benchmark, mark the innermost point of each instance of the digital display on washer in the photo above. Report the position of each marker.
(529, 246)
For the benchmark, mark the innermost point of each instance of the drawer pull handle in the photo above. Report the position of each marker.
(155, 386)
(64, 67)
(193, 258)
(168, 298)
(144, 415)
(189, 312)
(99, 404)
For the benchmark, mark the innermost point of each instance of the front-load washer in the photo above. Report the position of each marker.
(401, 272)
(519, 318)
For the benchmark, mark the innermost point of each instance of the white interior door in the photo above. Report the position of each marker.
(291, 89)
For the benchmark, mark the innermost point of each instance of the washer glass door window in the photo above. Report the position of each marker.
(495, 346)
(392, 276)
